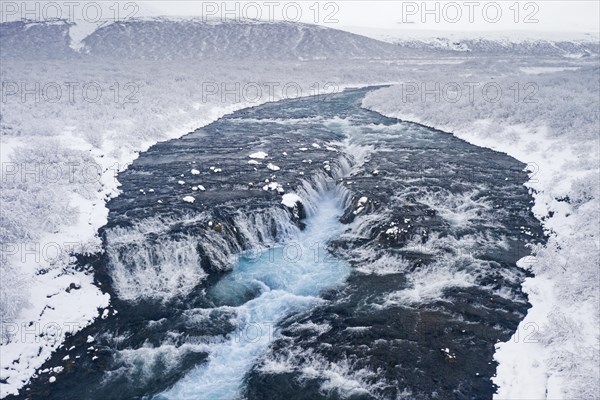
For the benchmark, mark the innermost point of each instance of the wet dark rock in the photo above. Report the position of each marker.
(73, 286)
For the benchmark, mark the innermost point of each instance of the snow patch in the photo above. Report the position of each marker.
(290, 199)
(259, 154)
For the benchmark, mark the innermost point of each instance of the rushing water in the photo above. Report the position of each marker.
(393, 278)
(286, 279)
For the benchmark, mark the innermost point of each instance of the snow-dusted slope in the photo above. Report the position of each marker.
(169, 39)
(505, 46)
(494, 46)
(175, 38)
(488, 43)
(34, 40)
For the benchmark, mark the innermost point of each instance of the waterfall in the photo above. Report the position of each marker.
(281, 281)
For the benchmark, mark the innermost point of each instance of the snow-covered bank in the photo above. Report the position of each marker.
(60, 167)
(59, 298)
(555, 352)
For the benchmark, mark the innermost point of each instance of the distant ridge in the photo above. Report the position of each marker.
(36, 40)
(531, 47)
(157, 38)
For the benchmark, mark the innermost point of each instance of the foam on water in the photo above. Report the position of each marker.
(148, 261)
(176, 262)
(460, 209)
(339, 379)
(284, 280)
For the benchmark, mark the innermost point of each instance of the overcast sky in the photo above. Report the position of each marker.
(380, 19)
(457, 16)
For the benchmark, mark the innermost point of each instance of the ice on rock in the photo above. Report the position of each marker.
(449, 355)
(274, 186)
(393, 232)
(189, 199)
(360, 206)
(290, 199)
(259, 154)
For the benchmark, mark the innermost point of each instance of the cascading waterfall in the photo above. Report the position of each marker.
(171, 249)
(284, 279)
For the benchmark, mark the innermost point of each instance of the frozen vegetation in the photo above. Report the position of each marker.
(60, 155)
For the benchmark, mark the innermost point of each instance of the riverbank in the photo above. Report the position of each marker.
(556, 136)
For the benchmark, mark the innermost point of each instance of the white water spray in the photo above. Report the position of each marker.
(285, 280)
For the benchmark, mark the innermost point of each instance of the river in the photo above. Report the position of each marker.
(392, 277)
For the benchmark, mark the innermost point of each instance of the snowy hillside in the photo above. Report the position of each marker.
(519, 43)
(154, 39)
(33, 40)
(175, 38)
